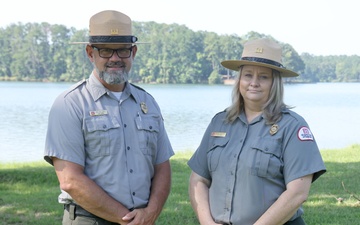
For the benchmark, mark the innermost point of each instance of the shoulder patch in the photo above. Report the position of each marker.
(304, 134)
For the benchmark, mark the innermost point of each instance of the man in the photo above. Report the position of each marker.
(106, 137)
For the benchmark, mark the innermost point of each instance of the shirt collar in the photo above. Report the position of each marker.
(97, 89)
(131, 91)
(243, 118)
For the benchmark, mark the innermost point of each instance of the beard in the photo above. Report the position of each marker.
(114, 77)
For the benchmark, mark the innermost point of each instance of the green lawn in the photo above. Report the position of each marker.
(28, 193)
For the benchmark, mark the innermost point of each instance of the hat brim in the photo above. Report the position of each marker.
(236, 64)
(107, 43)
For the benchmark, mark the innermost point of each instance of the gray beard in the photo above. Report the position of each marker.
(118, 77)
(113, 78)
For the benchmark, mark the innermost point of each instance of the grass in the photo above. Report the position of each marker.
(28, 192)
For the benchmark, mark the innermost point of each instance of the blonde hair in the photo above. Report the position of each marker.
(272, 108)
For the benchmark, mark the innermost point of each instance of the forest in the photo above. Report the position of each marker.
(174, 54)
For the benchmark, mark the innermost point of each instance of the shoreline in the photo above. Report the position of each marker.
(177, 153)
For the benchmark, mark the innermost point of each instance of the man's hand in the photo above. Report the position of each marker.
(140, 217)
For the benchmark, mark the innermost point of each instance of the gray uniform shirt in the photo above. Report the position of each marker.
(249, 168)
(117, 142)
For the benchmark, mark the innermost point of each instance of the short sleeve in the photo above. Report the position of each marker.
(301, 155)
(64, 138)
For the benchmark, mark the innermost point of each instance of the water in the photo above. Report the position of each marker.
(331, 109)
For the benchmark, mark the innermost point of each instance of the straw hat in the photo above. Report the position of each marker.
(261, 52)
(110, 27)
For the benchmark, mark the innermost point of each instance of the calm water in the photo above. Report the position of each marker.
(331, 109)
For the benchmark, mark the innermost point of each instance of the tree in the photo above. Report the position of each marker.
(5, 54)
(59, 38)
(215, 78)
(175, 54)
(291, 59)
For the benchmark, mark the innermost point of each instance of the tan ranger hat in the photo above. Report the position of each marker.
(110, 27)
(261, 52)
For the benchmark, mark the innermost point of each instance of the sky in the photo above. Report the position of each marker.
(317, 27)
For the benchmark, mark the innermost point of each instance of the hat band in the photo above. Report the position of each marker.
(112, 39)
(262, 60)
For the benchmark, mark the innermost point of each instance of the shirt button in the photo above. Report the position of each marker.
(128, 148)
(125, 125)
(131, 170)
(104, 126)
(150, 127)
(133, 193)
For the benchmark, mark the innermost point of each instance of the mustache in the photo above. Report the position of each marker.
(113, 64)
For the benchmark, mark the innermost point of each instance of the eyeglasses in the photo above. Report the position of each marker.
(108, 52)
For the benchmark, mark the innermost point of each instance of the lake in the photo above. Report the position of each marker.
(331, 109)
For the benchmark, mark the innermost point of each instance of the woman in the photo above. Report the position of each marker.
(257, 159)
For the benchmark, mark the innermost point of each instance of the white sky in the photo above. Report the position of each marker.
(318, 27)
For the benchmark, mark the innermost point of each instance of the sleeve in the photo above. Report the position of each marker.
(64, 138)
(199, 161)
(165, 150)
(301, 153)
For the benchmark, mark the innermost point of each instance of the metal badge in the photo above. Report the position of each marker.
(274, 129)
(144, 108)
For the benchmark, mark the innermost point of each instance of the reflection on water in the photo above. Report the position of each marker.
(332, 111)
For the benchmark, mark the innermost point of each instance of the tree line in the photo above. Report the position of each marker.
(175, 54)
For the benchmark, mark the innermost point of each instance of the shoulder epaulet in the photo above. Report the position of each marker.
(293, 114)
(140, 88)
(221, 114)
(135, 86)
(76, 85)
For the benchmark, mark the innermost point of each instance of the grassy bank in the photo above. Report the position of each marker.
(28, 193)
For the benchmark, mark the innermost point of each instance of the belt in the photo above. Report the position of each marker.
(76, 210)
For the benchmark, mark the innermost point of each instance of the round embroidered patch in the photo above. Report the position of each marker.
(304, 134)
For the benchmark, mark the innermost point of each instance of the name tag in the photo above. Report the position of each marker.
(218, 134)
(98, 113)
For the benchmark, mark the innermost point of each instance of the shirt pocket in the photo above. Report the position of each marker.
(101, 135)
(215, 152)
(148, 130)
(267, 157)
